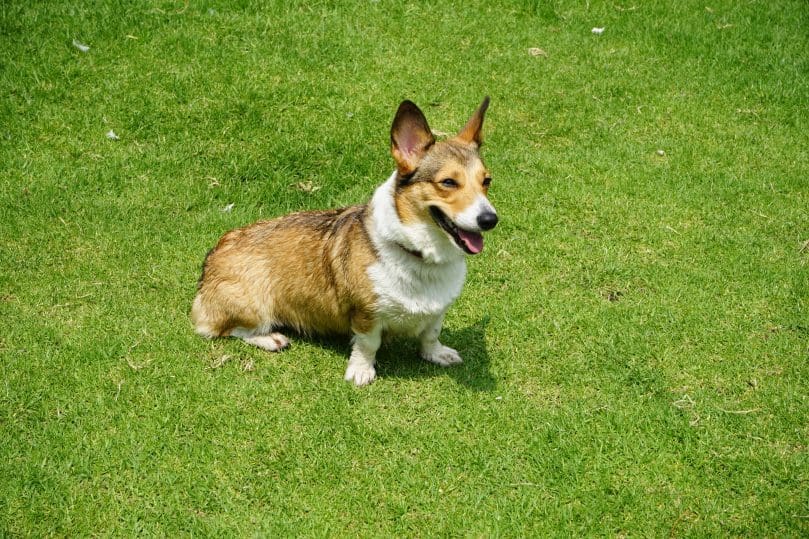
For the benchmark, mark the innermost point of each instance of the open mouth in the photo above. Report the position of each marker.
(470, 242)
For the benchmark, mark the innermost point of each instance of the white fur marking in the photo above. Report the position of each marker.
(435, 352)
(411, 292)
(360, 369)
(468, 219)
(442, 355)
(360, 373)
(272, 342)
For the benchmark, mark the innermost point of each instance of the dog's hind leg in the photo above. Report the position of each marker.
(271, 341)
(213, 317)
(274, 342)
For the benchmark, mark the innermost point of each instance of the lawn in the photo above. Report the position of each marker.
(635, 334)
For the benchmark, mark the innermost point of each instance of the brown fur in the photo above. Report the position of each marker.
(306, 271)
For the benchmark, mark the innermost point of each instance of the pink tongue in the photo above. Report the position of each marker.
(472, 240)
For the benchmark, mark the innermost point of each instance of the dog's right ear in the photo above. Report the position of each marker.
(410, 137)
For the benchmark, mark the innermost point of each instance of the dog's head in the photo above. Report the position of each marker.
(444, 183)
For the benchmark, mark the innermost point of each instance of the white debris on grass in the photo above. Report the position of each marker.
(228, 208)
(81, 46)
(598, 31)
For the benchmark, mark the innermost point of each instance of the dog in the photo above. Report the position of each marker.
(391, 266)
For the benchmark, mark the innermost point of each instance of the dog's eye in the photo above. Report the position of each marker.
(487, 182)
(449, 183)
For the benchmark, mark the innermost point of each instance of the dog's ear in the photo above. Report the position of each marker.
(410, 137)
(472, 130)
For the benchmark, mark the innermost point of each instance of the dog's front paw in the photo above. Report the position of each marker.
(442, 355)
(361, 374)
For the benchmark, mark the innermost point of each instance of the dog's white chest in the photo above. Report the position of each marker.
(410, 295)
(411, 291)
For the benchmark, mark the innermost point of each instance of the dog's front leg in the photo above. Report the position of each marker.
(435, 352)
(360, 368)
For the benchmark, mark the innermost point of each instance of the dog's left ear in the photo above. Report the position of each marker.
(410, 137)
(472, 130)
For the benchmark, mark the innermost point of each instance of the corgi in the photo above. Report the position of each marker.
(391, 266)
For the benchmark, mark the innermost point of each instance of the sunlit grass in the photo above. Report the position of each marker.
(635, 332)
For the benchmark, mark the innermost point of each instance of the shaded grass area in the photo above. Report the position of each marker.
(634, 334)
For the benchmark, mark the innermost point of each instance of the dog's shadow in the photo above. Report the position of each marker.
(399, 357)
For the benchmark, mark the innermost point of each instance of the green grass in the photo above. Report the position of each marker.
(636, 333)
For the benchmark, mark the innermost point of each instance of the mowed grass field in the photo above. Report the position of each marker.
(635, 333)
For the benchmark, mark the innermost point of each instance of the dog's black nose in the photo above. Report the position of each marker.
(487, 221)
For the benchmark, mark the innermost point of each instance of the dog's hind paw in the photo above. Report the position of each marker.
(442, 355)
(360, 373)
(274, 342)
